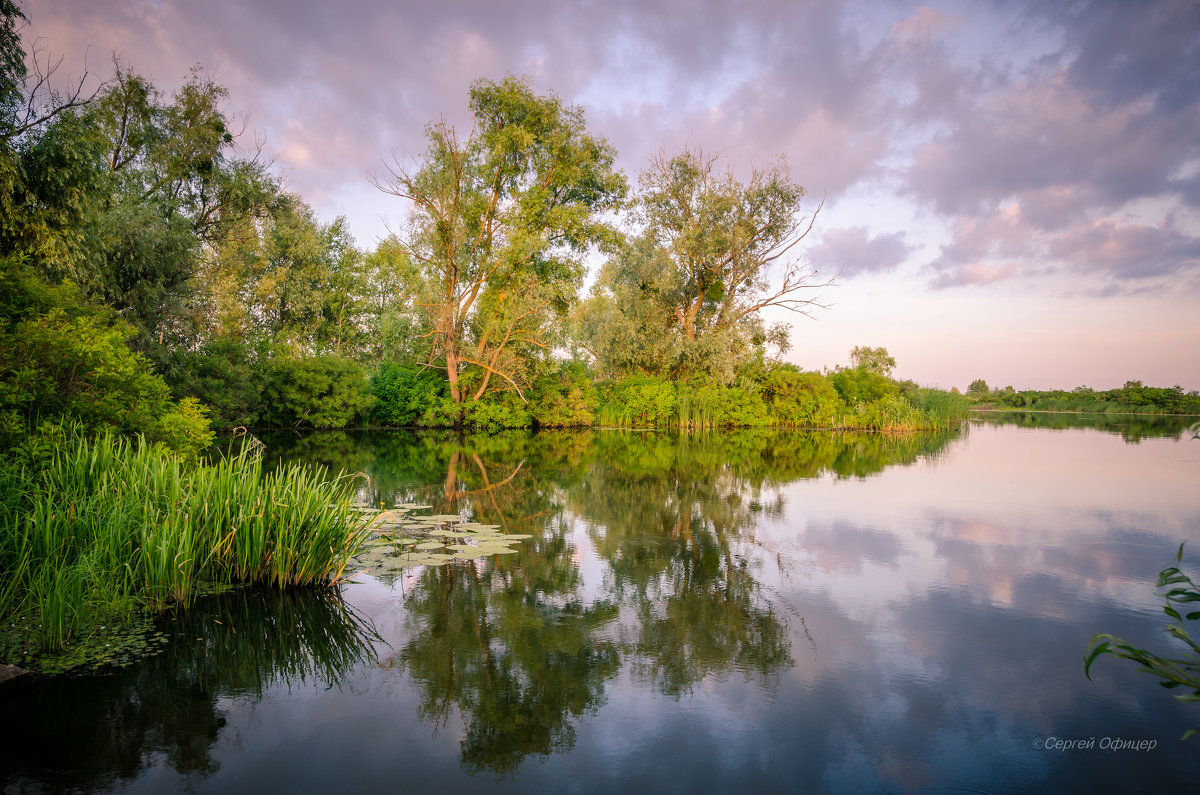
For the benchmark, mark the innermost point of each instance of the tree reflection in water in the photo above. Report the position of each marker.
(522, 649)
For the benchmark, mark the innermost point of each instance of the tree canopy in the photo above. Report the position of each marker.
(499, 224)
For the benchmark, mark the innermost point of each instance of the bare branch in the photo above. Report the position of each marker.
(38, 111)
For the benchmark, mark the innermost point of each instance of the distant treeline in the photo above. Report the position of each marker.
(1132, 398)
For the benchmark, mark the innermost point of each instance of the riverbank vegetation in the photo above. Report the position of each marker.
(157, 279)
(1132, 398)
(111, 529)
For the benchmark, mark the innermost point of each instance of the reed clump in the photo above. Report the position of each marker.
(113, 527)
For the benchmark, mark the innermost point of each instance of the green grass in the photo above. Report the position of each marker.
(112, 527)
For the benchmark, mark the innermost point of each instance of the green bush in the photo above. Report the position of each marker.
(801, 398)
(563, 399)
(860, 385)
(64, 361)
(403, 393)
(637, 400)
(316, 391)
(225, 375)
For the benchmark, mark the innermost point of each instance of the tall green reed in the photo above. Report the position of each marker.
(112, 526)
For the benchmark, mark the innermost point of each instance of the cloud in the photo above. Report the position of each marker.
(1071, 152)
(1068, 112)
(855, 251)
(1128, 251)
(974, 273)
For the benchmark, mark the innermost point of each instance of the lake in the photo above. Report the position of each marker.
(744, 611)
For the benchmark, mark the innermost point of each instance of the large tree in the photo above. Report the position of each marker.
(177, 190)
(724, 251)
(723, 236)
(499, 224)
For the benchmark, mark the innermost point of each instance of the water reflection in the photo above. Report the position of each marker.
(521, 647)
(91, 732)
(743, 611)
(1133, 428)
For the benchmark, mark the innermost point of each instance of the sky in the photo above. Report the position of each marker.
(1011, 190)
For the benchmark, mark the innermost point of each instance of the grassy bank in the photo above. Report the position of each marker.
(111, 529)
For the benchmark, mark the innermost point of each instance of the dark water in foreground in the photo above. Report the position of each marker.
(752, 611)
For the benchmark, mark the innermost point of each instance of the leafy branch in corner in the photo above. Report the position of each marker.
(1173, 672)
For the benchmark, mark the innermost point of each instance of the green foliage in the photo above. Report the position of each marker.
(226, 375)
(186, 429)
(500, 223)
(625, 323)
(403, 393)
(1133, 397)
(781, 395)
(875, 360)
(564, 399)
(978, 387)
(801, 399)
(57, 176)
(1178, 590)
(314, 391)
(941, 408)
(64, 360)
(110, 527)
(862, 385)
(637, 401)
(684, 298)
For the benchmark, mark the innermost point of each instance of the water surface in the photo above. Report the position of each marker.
(776, 611)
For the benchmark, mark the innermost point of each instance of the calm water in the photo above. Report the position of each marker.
(748, 611)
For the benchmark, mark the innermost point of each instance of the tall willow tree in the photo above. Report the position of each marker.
(176, 191)
(500, 222)
(686, 297)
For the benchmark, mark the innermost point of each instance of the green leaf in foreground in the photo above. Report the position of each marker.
(1173, 672)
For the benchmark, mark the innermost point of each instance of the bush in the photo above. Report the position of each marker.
(316, 391)
(403, 393)
(66, 362)
(563, 399)
(224, 375)
(637, 400)
(860, 385)
(801, 398)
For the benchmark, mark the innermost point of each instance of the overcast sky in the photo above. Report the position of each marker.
(1011, 188)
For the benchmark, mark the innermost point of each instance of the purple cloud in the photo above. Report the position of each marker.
(854, 251)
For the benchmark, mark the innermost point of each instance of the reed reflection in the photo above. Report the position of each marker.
(173, 705)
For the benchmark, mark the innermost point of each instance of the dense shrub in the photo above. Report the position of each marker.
(403, 393)
(227, 376)
(66, 361)
(565, 398)
(637, 400)
(316, 391)
(801, 398)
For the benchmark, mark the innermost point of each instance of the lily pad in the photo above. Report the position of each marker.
(470, 553)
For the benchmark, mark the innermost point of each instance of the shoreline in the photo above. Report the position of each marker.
(1081, 411)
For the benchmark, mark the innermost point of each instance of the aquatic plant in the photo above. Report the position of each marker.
(114, 526)
(1172, 672)
(403, 540)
